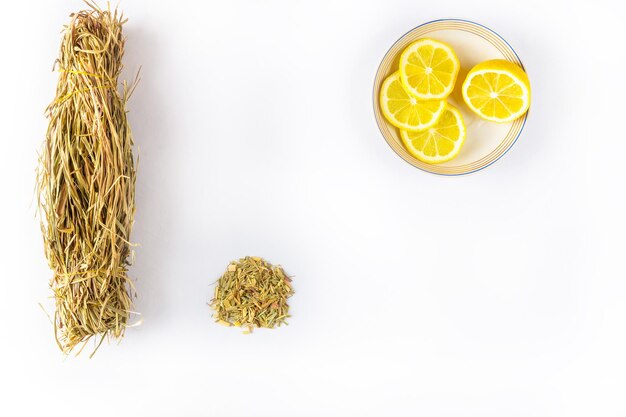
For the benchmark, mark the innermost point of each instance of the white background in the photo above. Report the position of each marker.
(497, 294)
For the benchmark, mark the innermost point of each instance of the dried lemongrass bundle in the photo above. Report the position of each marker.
(252, 293)
(86, 183)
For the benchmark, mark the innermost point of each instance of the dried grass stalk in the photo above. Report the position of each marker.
(86, 183)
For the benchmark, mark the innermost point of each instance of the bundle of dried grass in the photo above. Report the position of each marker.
(86, 183)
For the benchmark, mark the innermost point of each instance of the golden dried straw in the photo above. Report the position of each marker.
(252, 293)
(86, 183)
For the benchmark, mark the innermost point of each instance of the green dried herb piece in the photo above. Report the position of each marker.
(86, 183)
(252, 293)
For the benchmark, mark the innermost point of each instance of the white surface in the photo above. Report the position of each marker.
(497, 294)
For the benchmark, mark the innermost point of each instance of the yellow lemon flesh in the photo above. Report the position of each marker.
(405, 111)
(497, 90)
(439, 143)
(428, 69)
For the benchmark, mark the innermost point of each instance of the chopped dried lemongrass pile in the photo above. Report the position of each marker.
(86, 183)
(252, 293)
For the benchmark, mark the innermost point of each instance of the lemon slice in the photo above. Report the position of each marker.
(428, 69)
(405, 111)
(497, 90)
(439, 143)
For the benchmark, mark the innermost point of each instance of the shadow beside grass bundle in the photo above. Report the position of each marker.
(86, 183)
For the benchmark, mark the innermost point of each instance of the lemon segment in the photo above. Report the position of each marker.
(405, 111)
(428, 69)
(439, 143)
(497, 90)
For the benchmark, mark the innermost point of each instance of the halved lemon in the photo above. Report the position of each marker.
(497, 90)
(439, 143)
(428, 69)
(405, 111)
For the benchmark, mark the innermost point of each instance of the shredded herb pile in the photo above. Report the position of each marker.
(252, 293)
